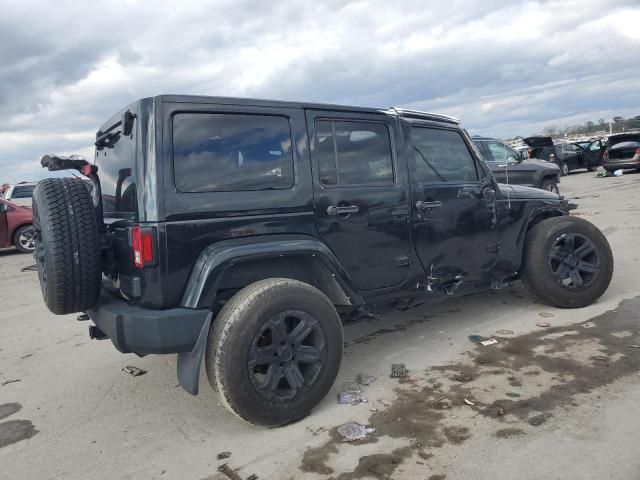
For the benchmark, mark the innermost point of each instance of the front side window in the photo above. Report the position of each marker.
(231, 152)
(501, 153)
(442, 156)
(354, 153)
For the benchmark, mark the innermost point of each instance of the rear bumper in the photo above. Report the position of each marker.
(141, 330)
(622, 164)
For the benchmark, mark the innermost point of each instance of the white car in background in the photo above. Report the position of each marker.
(20, 193)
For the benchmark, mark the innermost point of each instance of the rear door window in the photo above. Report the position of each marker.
(442, 156)
(231, 152)
(354, 153)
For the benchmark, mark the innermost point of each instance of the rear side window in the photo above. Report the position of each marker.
(231, 152)
(442, 156)
(23, 191)
(353, 153)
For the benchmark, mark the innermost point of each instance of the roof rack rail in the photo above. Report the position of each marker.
(424, 115)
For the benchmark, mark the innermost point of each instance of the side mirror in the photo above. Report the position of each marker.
(3, 207)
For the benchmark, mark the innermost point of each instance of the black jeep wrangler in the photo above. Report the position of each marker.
(241, 231)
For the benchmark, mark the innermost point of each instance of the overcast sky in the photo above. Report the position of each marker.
(505, 68)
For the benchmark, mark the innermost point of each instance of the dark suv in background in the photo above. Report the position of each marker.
(508, 166)
(240, 232)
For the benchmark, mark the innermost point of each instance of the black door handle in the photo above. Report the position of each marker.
(420, 205)
(333, 210)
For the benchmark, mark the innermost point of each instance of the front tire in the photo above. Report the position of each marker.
(567, 262)
(274, 351)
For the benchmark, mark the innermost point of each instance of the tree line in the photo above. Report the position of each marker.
(615, 125)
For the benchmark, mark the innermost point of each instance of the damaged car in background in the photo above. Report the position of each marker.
(568, 156)
(239, 233)
(623, 151)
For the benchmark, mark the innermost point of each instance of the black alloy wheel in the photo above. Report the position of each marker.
(574, 261)
(286, 354)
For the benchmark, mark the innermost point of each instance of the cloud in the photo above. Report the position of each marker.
(503, 67)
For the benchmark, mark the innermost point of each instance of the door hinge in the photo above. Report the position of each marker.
(493, 247)
(402, 261)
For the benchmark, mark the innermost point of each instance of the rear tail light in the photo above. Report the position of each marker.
(637, 154)
(142, 244)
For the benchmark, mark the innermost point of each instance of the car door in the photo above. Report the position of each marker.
(572, 156)
(594, 153)
(361, 195)
(506, 161)
(455, 230)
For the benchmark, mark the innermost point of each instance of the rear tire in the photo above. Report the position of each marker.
(67, 248)
(274, 351)
(23, 239)
(550, 185)
(564, 169)
(567, 262)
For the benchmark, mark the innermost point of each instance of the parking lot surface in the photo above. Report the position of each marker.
(556, 401)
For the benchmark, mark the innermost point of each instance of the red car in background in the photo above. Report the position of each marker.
(16, 227)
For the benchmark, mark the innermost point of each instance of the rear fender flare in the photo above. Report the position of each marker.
(214, 260)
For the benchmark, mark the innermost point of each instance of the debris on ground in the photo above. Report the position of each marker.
(133, 371)
(618, 173)
(228, 472)
(7, 382)
(546, 314)
(399, 370)
(485, 342)
(463, 377)
(601, 358)
(363, 379)
(477, 338)
(504, 332)
(223, 455)
(353, 431)
(634, 346)
(469, 402)
(253, 476)
(543, 324)
(30, 268)
(512, 394)
(438, 401)
(501, 412)
(349, 397)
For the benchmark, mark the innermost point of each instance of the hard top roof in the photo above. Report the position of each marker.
(401, 112)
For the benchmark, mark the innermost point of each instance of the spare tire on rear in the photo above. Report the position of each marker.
(67, 245)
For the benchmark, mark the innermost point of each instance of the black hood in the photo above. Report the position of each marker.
(521, 192)
(538, 142)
